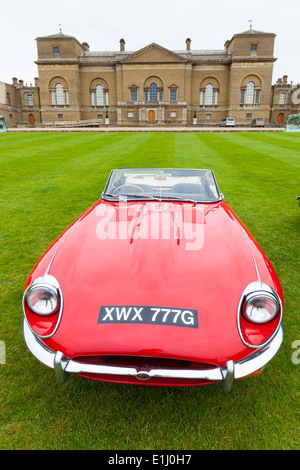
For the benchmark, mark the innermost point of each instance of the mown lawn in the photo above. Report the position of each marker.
(47, 180)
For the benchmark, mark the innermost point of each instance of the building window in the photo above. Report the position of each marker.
(282, 99)
(60, 116)
(55, 51)
(133, 95)
(248, 115)
(30, 101)
(173, 95)
(216, 98)
(173, 114)
(257, 95)
(99, 95)
(208, 117)
(60, 99)
(146, 95)
(130, 114)
(242, 96)
(209, 96)
(249, 95)
(59, 96)
(253, 49)
(209, 92)
(153, 91)
(100, 116)
(201, 98)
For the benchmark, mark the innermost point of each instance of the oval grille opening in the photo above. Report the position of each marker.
(144, 362)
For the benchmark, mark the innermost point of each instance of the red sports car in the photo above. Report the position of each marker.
(157, 283)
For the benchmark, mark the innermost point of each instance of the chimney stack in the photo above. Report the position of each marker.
(122, 45)
(188, 44)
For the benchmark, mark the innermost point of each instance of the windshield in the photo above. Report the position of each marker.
(162, 184)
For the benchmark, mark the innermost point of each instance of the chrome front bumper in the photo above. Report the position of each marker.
(224, 375)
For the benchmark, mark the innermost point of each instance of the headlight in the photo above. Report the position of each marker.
(42, 297)
(259, 314)
(260, 307)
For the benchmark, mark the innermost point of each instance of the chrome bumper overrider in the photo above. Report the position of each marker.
(224, 375)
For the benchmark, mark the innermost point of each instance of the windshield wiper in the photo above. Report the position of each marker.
(178, 198)
(148, 196)
(124, 196)
(115, 196)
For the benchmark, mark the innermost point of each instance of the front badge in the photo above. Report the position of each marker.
(148, 316)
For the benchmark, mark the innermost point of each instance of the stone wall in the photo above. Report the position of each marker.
(116, 87)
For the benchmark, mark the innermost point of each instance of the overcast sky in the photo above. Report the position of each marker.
(102, 23)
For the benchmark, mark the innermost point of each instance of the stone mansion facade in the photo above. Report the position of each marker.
(150, 86)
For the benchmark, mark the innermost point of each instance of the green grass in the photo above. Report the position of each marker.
(47, 180)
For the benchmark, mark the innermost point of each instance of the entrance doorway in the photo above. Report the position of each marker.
(280, 119)
(151, 117)
(31, 119)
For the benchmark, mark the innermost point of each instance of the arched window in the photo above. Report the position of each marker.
(153, 88)
(249, 95)
(209, 93)
(99, 96)
(153, 91)
(60, 99)
(209, 96)
(59, 96)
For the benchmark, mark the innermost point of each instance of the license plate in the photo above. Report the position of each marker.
(146, 315)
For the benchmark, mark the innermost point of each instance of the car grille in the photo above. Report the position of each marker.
(144, 362)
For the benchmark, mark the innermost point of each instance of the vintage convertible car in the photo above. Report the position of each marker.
(157, 283)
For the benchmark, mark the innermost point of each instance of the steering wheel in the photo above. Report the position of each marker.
(130, 186)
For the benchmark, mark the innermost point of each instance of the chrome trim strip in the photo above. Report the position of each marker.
(261, 357)
(38, 349)
(225, 375)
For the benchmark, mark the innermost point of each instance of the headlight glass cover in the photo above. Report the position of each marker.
(42, 299)
(260, 307)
